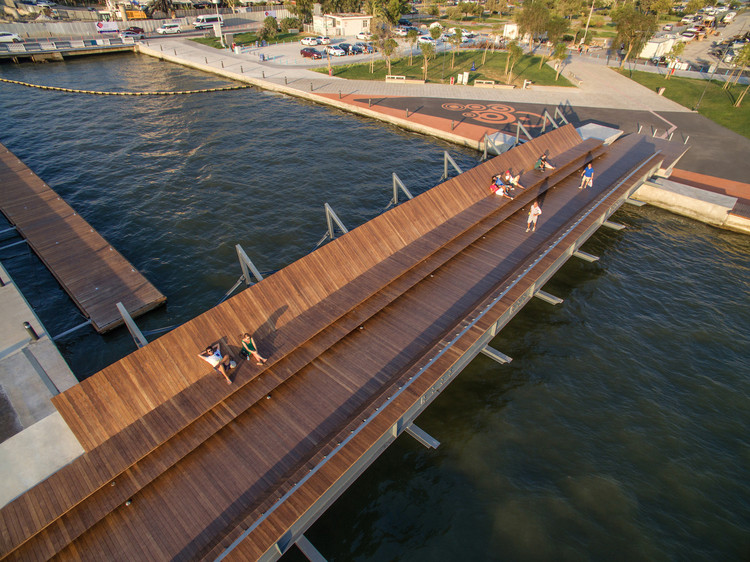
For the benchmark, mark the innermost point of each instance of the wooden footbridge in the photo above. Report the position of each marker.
(90, 270)
(362, 334)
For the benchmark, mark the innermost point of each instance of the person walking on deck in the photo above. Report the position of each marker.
(587, 177)
(534, 213)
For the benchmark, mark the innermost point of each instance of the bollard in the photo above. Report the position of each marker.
(452, 124)
(369, 102)
(30, 331)
(205, 59)
(339, 94)
(311, 89)
(161, 47)
(263, 72)
(407, 112)
(175, 51)
(285, 82)
(222, 64)
(242, 70)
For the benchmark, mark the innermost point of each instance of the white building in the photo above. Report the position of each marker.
(341, 25)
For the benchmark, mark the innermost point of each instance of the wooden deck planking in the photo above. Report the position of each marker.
(290, 383)
(80, 259)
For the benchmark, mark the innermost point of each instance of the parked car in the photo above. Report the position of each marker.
(366, 47)
(335, 51)
(659, 60)
(400, 32)
(310, 53)
(126, 34)
(45, 3)
(310, 41)
(168, 29)
(426, 39)
(364, 36)
(135, 29)
(347, 48)
(355, 50)
(324, 40)
(668, 27)
(687, 36)
(8, 37)
(405, 22)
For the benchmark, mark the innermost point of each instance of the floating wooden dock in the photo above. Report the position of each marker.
(361, 336)
(90, 270)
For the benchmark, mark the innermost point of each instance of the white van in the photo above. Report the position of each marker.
(208, 21)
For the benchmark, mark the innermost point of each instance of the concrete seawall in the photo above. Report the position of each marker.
(694, 202)
(711, 208)
(311, 96)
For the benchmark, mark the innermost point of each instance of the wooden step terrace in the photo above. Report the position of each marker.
(199, 421)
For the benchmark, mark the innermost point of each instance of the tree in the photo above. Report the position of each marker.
(269, 29)
(514, 55)
(660, 7)
(302, 9)
(634, 29)
(674, 53)
(428, 52)
(456, 42)
(466, 8)
(395, 9)
(532, 19)
(436, 32)
(556, 28)
(412, 36)
(290, 23)
(559, 55)
(743, 60)
(388, 48)
(569, 8)
(695, 5)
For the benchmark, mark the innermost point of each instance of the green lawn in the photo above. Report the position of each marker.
(439, 69)
(717, 104)
(246, 39)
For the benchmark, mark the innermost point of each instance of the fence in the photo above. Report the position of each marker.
(87, 28)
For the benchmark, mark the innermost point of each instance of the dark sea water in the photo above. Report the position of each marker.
(618, 432)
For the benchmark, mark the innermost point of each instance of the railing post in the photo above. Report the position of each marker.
(397, 183)
(331, 218)
(246, 264)
(447, 158)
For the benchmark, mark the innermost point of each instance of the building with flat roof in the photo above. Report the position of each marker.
(341, 25)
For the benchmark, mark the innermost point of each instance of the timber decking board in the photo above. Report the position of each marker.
(283, 390)
(65, 242)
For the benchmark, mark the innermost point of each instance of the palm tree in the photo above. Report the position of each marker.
(428, 52)
(412, 37)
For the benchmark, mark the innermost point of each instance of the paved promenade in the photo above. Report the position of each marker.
(35, 440)
(602, 95)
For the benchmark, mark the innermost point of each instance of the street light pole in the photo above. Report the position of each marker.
(591, 11)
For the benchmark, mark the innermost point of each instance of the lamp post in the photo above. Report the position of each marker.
(591, 11)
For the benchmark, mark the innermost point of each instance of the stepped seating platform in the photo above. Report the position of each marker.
(365, 328)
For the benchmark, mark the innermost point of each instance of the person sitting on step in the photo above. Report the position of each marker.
(249, 349)
(542, 164)
(222, 363)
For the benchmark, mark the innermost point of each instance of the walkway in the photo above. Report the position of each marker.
(95, 275)
(361, 335)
